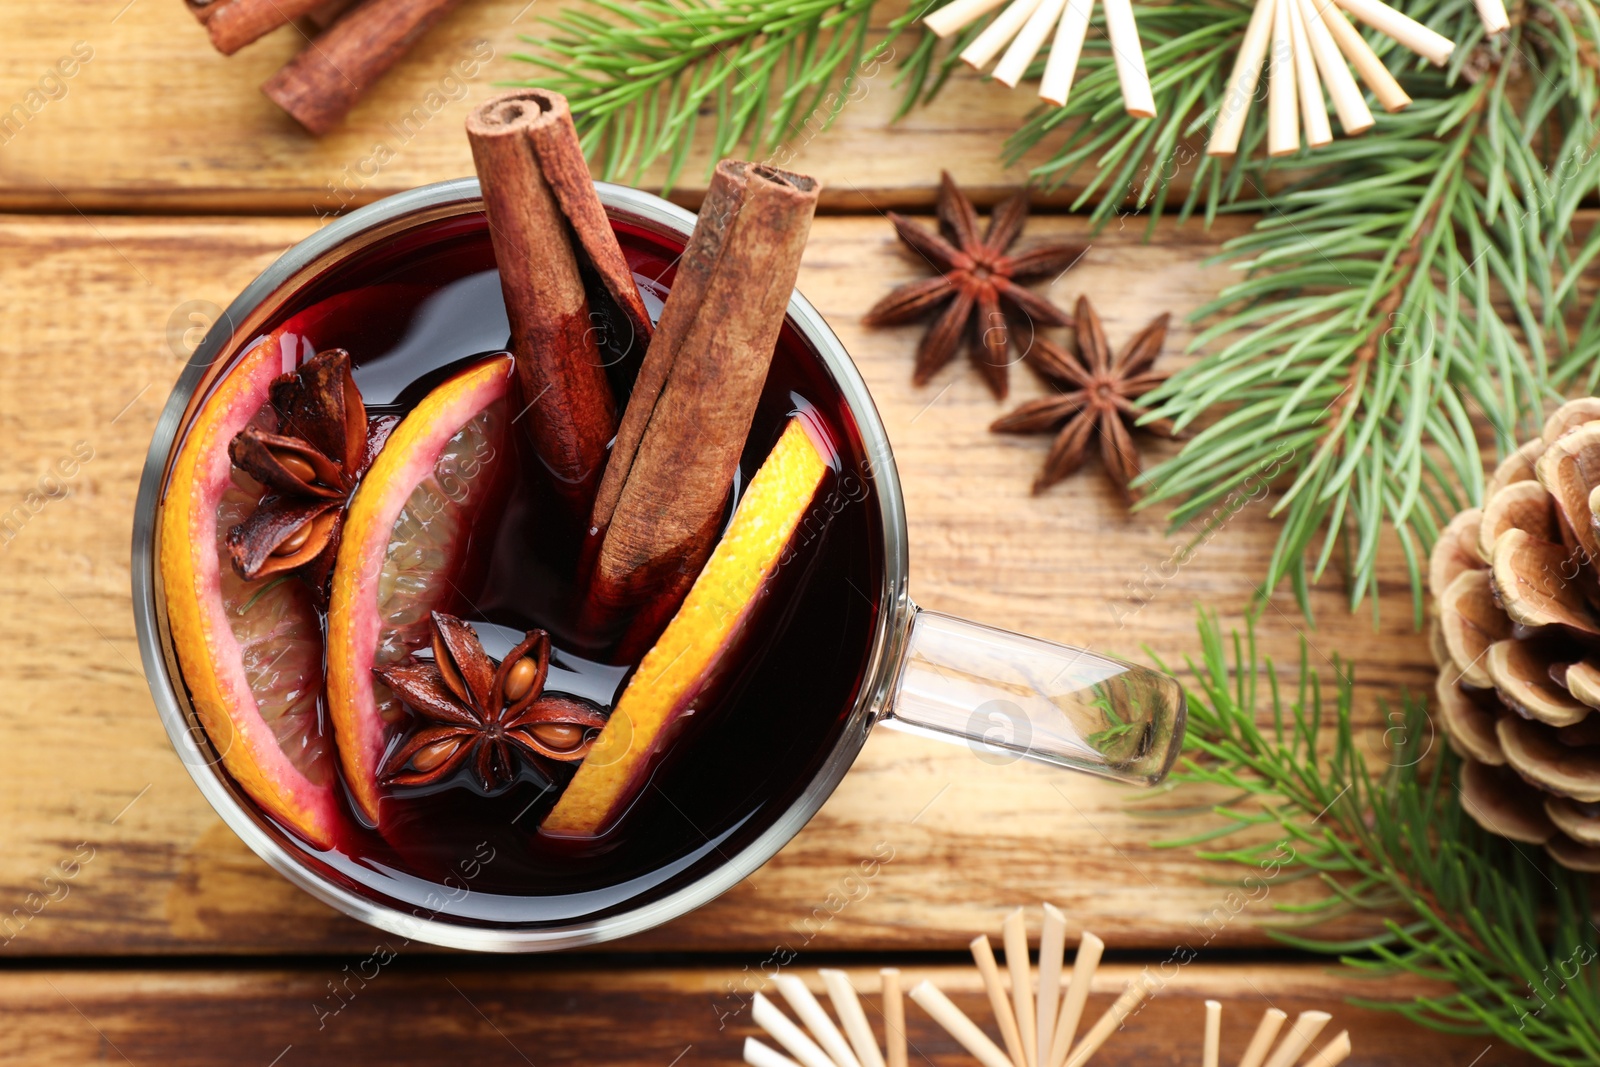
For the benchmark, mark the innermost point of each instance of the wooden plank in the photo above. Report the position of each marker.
(156, 120)
(328, 1013)
(86, 364)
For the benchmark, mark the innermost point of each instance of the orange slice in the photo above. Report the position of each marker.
(405, 534)
(675, 672)
(250, 652)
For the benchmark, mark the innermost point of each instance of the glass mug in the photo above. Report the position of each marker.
(1005, 695)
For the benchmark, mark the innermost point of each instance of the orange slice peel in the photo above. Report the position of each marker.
(233, 697)
(679, 667)
(355, 623)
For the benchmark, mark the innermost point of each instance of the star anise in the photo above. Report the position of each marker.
(1098, 393)
(475, 710)
(309, 468)
(978, 285)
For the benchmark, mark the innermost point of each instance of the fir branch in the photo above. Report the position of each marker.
(767, 72)
(1421, 278)
(1509, 930)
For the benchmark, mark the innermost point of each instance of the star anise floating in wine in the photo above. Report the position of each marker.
(1098, 390)
(309, 467)
(475, 711)
(978, 287)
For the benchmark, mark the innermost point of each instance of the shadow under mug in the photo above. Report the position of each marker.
(1005, 695)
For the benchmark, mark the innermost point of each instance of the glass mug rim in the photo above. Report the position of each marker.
(312, 258)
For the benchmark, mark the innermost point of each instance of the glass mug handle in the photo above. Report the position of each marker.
(1009, 696)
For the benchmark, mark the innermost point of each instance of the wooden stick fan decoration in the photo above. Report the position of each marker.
(1306, 44)
(1038, 1018)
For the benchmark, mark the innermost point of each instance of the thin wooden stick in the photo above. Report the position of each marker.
(894, 1018)
(1307, 1025)
(1242, 82)
(1016, 933)
(952, 17)
(1064, 52)
(1283, 122)
(1337, 1052)
(758, 1055)
(963, 1029)
(816, 1020)
(998, 33)
(771, 1018)
(1213, 1039)
(1090, 949)
(1434, 47)
(1052, 947)
(1108, 1023)
(1313, 108)
(847, 1005)
(1014, 64)
(1363, 58)
(1266, 1033)
(983, 956)
(1493, 13)
(1137, 99)
(1354, 116)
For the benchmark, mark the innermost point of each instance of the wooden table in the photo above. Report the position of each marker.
(153, 185)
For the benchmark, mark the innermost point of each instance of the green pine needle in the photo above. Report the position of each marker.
(766, 73)
(1505, 928)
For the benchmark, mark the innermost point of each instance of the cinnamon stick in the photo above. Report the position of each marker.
(548, 227)
(232, 24)
(320, 84)
(666, 485)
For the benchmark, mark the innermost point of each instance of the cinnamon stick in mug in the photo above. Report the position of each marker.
(548, 228)
(320, 84)
(666, 484)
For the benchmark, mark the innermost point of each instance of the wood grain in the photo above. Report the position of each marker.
(156, 120)
(93, 345)
(432, 1013)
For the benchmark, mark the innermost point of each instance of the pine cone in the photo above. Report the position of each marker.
(1516, 588)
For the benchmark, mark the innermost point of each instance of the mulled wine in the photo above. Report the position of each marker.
(421, 307)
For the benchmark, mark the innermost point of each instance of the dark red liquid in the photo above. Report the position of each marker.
(427, 303)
